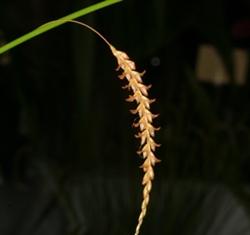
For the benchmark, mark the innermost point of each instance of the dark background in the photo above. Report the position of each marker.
(67, 150)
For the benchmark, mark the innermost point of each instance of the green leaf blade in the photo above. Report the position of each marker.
(60, 21)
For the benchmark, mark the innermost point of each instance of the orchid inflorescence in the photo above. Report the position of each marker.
(147, 130)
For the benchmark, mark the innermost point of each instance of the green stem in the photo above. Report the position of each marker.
(47, 27)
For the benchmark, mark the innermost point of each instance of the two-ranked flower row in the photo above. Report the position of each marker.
(143, 109)
(147, 130)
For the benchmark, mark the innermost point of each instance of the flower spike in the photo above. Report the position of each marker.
(147, 130)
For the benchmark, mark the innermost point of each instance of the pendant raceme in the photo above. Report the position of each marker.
(147, 130)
